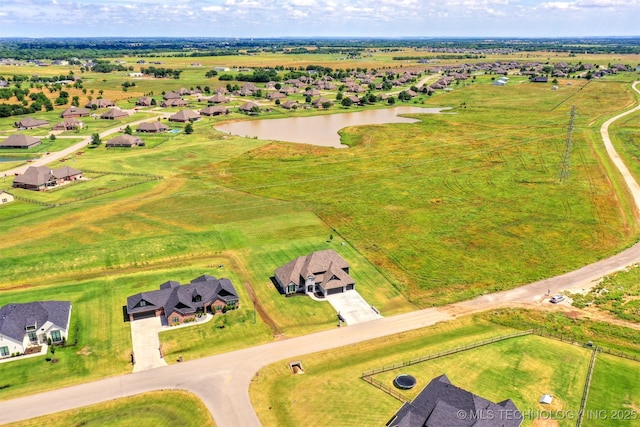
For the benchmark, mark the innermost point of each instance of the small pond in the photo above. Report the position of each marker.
(320, 130)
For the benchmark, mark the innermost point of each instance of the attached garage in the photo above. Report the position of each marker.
(335, 291)
(143, 315)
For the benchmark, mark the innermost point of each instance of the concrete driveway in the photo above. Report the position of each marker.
(146, 344)
(352, 307)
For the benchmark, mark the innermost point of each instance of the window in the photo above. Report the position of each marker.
(4, 351)
(196, 298)
(32, 336)
(142, 303)
(55, 336)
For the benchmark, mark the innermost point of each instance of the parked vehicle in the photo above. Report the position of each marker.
(557, 298)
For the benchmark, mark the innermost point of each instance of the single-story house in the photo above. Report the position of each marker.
(248, 107)
(179, 102)
(171, 95)
(290, 105)
(113, 114)
(441, 403)
(40, 178)
(184, 116)
(144, 101)
(213, 110)
(218, 98)
(180, 303)
(124, 141)
(323, 272)
(20, 141)
(539, 79)
(75, 112)
(31, 324)
(69, 124)
(30, 123)
(100, 103)
(5, 197)
(152, 127)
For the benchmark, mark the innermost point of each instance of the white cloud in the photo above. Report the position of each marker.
(213, 9)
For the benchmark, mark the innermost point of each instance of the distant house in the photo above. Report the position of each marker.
(100, 103)
(75, 112)
(171, 95)
(20, 141)
(144, 101)
(323, 272)
(152, 127)
(213, 110)
(114, 114)
(185, 116)
(248, 107)
(30, 123)
(539, 79)
(39, 178)
(177, 102)
(32, 324)
(124, 141)
(441, 403)
(180, 303)
(5, 197)
(320, 101)
(218, 98)
(69, 124)
(290, 105)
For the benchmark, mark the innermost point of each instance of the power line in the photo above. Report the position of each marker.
(565, 165)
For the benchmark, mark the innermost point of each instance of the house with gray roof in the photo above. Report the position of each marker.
(179, 303)
(124, 140)
(20, 141)
(30, 123)
(321, 272)
(114, 114)
(441, 403)
(185, 116)
(32, 324)
(152, 127)
(39, 178)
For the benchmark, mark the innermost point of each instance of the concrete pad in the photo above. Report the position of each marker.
(352, 307)
(146, 343)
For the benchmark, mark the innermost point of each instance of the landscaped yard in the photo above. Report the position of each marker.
(521, 369)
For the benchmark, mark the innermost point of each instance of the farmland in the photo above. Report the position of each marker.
(453, 206)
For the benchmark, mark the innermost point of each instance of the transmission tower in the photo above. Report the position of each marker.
(565, 165)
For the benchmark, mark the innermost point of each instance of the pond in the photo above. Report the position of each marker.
(320, 130)
(14, 159)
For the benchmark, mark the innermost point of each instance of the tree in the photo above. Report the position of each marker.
(128, 130)
(346, 102)
(52, 137)
(75, 101)
(326, 104)
(95, 140)
(188, 129)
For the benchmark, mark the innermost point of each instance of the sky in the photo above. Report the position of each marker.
(318, 18)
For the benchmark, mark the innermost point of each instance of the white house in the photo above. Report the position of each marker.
(32, 324)
(5, 197)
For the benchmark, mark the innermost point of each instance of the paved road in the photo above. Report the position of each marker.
(222, 381)
(69, 151)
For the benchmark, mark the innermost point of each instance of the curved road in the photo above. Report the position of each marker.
(223, 381)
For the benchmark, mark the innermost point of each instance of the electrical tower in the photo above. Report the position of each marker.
(565, 165)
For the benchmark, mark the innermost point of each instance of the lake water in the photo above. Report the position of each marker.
(13, 159)
(320, 130)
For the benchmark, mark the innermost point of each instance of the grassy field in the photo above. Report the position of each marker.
(162, 408)
(473, 194)
(521, 369)
(441, 210)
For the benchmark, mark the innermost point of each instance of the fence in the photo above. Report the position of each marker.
(570, 340)
(587, 385)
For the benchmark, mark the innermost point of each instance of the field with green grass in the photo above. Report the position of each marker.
(453, 206)
(162, 408)
(520, 369)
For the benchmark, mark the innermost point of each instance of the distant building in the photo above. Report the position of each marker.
(5, 197)
(124, 141)
(39, 178)
(152, 127)
(30, 123)
(20, 141)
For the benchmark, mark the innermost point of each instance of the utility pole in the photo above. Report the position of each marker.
(565, 165)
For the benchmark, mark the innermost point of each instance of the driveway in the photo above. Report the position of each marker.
(146, 344)
(352, 307)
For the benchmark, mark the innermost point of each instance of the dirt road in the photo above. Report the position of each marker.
(222, 381)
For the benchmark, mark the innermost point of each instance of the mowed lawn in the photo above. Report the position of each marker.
(521, 369)
(161, 408)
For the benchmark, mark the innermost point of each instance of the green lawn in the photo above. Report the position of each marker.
(161, 408)
(521, 369)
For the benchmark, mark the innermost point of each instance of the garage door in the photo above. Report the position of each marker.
(334, 291)
(146, 315)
